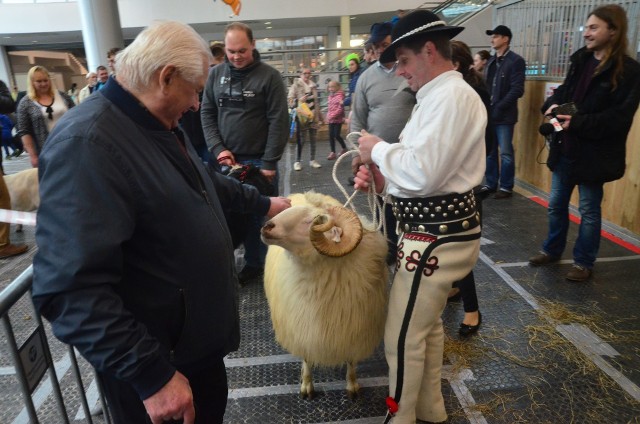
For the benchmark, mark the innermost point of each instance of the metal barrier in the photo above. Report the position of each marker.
(33, 358)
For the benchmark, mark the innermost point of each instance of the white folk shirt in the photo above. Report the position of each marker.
(441, 148)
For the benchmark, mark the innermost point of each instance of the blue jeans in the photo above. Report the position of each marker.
(255, 250)
(306, 133)
(506, 169)
(588, 242)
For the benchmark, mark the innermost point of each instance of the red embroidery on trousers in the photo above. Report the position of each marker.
(429, 267)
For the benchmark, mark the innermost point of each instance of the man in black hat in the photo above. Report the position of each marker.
(504, 74)
(429, 174)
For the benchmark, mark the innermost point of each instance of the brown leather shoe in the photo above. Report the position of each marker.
(12, 250)
(543, 258)
(579, 274)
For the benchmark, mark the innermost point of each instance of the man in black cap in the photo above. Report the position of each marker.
(429, 174)
(504, 74)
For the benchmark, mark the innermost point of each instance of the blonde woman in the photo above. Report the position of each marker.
(39, 111)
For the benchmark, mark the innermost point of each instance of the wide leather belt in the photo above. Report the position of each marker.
(448, 214)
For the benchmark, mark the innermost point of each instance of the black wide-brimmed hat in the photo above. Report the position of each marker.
(416, 23)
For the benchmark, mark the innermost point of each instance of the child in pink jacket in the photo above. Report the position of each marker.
(335, 118)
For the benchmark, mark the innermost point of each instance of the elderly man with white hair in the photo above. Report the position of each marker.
(92, 80)
(135, 266)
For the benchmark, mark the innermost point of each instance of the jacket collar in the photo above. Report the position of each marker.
(130, 106)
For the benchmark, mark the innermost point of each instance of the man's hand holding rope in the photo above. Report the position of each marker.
(365, 175)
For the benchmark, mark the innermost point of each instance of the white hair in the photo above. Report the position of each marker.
(162, 43)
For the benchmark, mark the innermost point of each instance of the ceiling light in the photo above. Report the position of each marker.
(267, 23)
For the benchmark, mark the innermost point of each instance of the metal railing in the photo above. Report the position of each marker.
(33, 357)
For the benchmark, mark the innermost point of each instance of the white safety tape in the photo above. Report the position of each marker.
(17, 217)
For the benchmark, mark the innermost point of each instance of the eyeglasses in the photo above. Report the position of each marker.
(306, 73)
(49, 111)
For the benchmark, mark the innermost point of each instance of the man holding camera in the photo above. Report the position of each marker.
(604, 83)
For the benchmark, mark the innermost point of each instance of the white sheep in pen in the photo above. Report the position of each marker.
(326, 283)
(23, 191)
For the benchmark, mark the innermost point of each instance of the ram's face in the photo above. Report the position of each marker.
(332, 231)
(289, 229)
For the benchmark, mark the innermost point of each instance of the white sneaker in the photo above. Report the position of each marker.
(315, 164)
(297, 166)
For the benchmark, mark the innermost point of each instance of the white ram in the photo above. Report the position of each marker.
(326, 283)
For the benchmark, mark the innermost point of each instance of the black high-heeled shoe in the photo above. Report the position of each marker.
(466, 330)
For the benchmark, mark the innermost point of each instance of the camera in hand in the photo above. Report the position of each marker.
(564, 109)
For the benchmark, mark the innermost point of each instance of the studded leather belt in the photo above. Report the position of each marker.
(448, 214)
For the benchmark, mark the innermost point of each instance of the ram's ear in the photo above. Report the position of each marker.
(337, 232)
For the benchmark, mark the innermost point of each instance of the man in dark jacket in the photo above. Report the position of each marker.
(6, 248)
(604, 83)
(245, 119)
(135, 266)
(504, 75)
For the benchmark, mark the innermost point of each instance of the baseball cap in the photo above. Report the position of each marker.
(500, 30)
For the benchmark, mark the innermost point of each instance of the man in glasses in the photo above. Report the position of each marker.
(246, 121)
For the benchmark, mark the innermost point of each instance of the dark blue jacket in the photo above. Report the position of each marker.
(507, 87)
(135, 265)
(7, 105)
(600, 128)
(352, 85)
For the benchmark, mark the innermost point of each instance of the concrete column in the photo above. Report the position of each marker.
(345, 31)
(332, 39)
(5, 68)
(101, 30)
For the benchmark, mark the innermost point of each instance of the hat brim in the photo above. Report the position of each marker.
(389, 54)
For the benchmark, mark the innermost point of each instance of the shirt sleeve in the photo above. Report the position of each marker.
(441, 148)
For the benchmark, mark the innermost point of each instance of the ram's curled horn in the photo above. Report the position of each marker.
(336, 233)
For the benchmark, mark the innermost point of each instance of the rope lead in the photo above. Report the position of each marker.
(376, 207)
